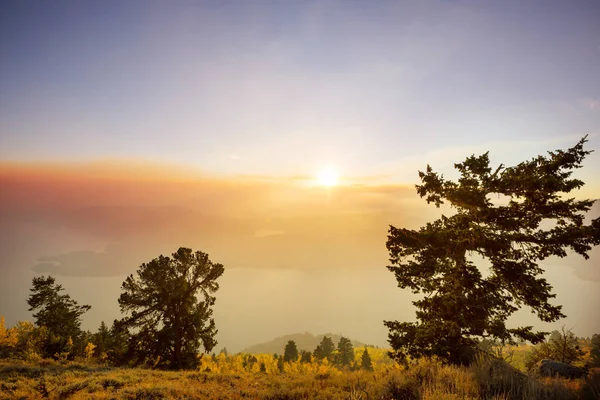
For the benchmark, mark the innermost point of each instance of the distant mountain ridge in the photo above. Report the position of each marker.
(304, 341)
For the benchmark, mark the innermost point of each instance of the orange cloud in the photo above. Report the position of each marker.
(106, 219)
(133, 212)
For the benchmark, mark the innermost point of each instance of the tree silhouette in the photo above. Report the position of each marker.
(162, 307)
(324, 349)
(290, 352)
(58, 313)
(365, 361)
(345, 353)
(101, 340)
(118, 349)
(532, 221)
(305, 356)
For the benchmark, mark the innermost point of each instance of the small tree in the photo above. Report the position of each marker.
(280, 364)
(324, 349)
(101, 340)
(59, 313)
(291, 352)
(460, 304)
(562, 346)
(118, 349)
(345, 353)
(89, 351)
(365, 361)
(162, 307)
(305, 356)
(9, 339)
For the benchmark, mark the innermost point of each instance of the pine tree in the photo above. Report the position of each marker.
(101, 340)
(324, 349)
(460, 304)
(305, 356)
(291, 351)
(118, 347)
(162, 308)
(345, 353)
(365, 362)
(58, 313)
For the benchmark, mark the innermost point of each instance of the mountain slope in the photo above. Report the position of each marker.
(304, 341)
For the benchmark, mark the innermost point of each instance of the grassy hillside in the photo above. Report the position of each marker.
(426, 380)
(304, 341)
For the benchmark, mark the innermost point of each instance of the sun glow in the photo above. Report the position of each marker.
(327, 177)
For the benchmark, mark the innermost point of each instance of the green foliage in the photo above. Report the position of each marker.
(59, 314)
(166, 319)
(345, 352)
(324, 349)
(305, 356)
(561, 346)
(249, 361)
(365, 361)
(459, 304)
(595, 352)
(117, 346)
(291, 352)
(101, 340)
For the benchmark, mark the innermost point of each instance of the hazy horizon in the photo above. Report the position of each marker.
(128, 130)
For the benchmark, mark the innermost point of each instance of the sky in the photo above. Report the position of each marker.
(128, 129)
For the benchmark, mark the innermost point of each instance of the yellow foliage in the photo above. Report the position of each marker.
(8, 337)
(89, 351)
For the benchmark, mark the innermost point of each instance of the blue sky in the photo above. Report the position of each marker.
(285, 87)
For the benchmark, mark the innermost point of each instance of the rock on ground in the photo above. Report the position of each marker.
(555, 368)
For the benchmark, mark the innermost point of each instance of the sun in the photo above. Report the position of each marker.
(327, 177)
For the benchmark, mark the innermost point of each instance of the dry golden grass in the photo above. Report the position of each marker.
(426, 379)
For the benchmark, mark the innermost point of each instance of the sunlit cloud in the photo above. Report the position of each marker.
(246, 222)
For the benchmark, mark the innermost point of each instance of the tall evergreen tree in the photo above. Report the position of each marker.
(345, 353)
(119, 347)
(324, 349)
(162, 307)
(58, 313)
(365, 361)
(101, 339)
(529, 220)
(290, 352)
